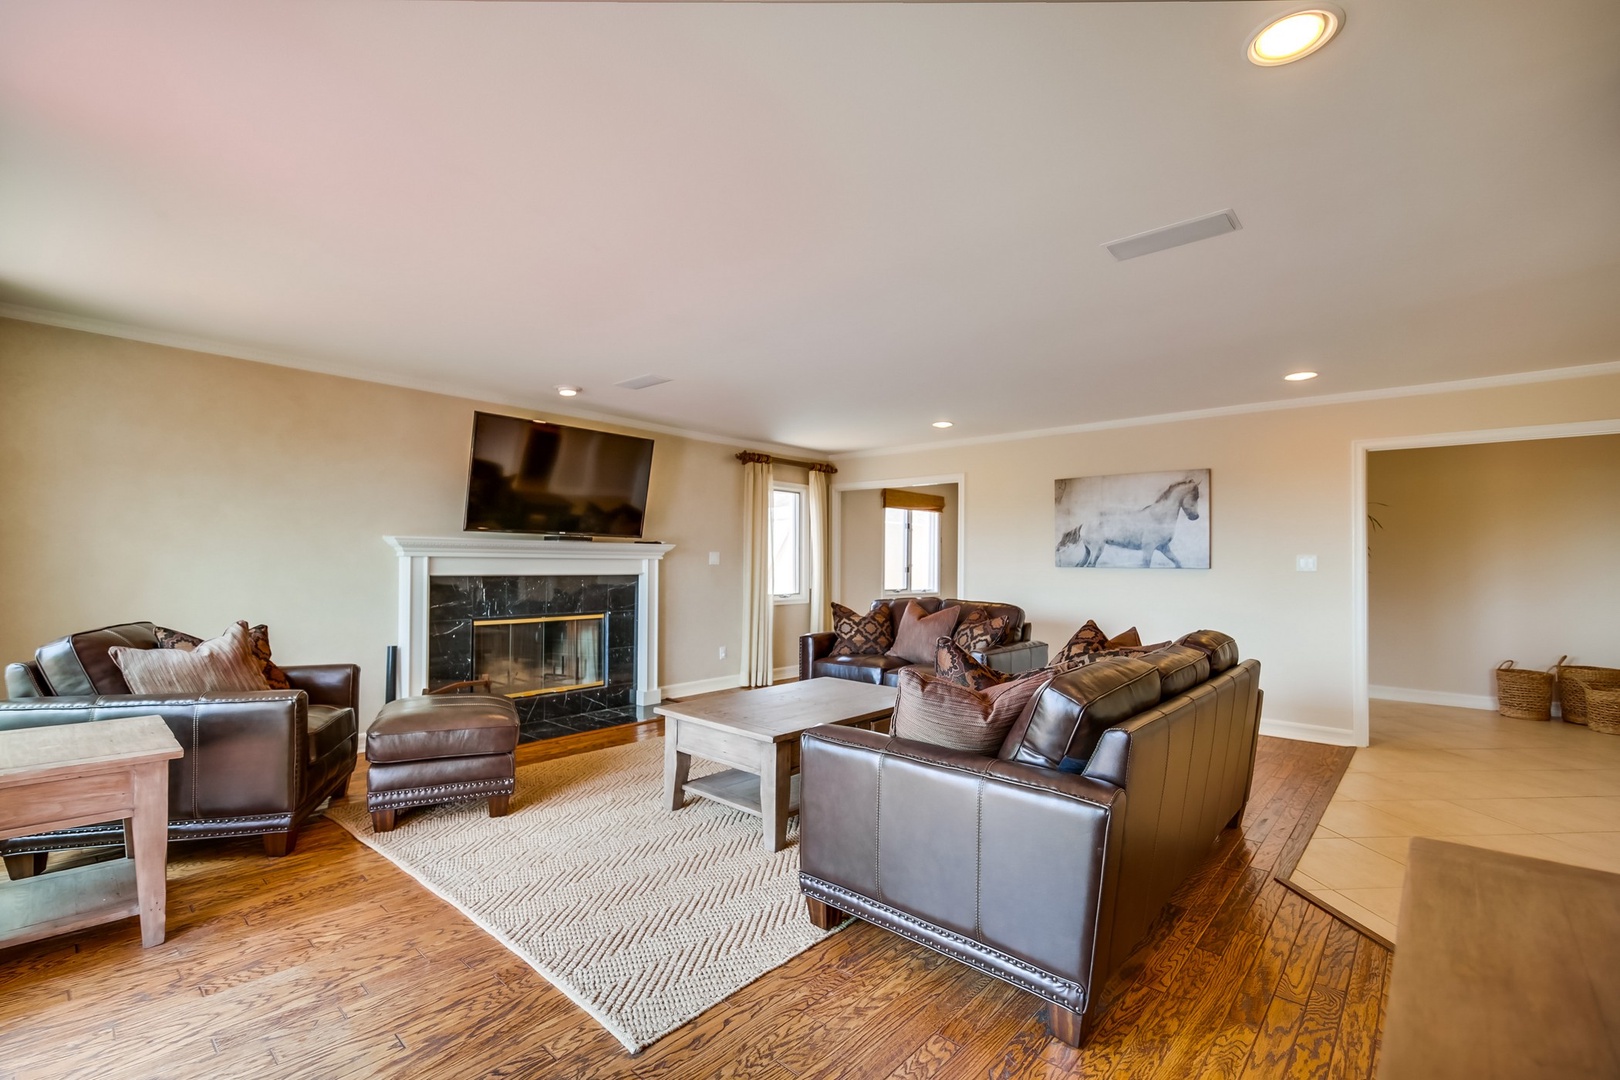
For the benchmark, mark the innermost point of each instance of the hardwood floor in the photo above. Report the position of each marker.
(331, 963)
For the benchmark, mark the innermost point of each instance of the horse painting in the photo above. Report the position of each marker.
(1123, 512)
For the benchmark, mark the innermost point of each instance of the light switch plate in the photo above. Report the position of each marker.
(1305, 564)
(714, 558)
(722, 652)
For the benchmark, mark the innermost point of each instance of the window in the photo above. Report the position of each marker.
(788, 539)
(910, 550)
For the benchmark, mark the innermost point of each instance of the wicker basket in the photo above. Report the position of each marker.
(1575, 681)
(1603, 711)
(1523, 694)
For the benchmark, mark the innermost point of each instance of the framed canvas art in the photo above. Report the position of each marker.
(1157, 520)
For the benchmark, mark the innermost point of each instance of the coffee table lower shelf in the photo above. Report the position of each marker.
(738, 790)
(68, 900)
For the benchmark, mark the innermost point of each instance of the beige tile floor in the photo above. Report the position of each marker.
(1549, 790)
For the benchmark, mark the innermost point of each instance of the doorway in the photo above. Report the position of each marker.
(897, 537)
(1473, 549)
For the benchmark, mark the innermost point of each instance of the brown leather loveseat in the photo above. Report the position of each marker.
(255, 763)
(1014, 652)
(1042, 876)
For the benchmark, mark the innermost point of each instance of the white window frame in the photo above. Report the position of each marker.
(803, 595)
(939, 529)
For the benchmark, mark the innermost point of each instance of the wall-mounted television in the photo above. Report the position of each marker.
(528, 476)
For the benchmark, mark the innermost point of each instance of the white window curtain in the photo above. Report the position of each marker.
(819, 524)
(760, 604)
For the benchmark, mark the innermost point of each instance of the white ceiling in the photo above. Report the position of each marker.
(828, 224)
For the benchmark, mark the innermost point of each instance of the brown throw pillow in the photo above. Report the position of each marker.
(953, 664)
(1088, 639)
(862, 635)
(914, 640)
(1129, 639)
(259, 643)
(224, 663)
(978, 630)
(934, 711)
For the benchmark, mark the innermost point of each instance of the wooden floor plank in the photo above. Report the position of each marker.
(333, 963)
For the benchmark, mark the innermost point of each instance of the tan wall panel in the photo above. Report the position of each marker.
(145, 482)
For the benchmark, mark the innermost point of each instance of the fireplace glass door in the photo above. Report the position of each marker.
(545, 655)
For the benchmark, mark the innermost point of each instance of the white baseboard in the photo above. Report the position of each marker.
(789, 672)
(702, 686)
(1288, 729)
(1432, 697)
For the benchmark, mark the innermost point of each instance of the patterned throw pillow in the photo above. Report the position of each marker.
(259, 640)
(862, 635)
(225, 663)
(953, 664)
(1088, 639)
(175, 639)
(978, 630)
(934, 711)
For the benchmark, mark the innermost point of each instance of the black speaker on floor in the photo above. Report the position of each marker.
(391, 674)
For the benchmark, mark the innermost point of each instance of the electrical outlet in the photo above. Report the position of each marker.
(714, 558)
(722, 652)
(1305, 564)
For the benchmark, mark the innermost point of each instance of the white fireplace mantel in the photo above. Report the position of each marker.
(490, 555)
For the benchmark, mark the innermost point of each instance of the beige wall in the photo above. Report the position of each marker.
(860, 544)
(144, 482)
(1281, 487)
(1501, 551)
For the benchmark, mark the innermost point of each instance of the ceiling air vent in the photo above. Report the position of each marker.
(1182, 232)
(641, 382)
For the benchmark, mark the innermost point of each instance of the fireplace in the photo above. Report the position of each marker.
(546, 654)
(449, 585)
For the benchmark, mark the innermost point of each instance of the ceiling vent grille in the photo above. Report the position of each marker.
(641, 382)
(1182, 232)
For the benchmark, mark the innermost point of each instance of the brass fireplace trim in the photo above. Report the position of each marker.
(600, 616)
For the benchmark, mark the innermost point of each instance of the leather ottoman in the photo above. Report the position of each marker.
(421, 751)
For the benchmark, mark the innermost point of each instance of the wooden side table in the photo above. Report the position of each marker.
(79, 774)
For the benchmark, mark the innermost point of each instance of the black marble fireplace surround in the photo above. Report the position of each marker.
(454, 602)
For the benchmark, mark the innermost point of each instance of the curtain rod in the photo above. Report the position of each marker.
(814, 466)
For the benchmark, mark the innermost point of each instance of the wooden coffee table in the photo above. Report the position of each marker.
(757, 732)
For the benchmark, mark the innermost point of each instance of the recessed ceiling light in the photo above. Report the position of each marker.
(1294, 36)
(942, 423)
(568, 391)
(1299, 376)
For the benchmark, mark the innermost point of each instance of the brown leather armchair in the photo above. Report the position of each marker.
(1045, 864)
(255, 763)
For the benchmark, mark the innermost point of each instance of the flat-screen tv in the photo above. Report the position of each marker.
(528, 476)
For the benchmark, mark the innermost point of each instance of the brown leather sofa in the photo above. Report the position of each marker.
(1014, 653)
(255, 763)
(1043, 876)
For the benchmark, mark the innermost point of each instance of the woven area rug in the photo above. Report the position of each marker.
(643, 916)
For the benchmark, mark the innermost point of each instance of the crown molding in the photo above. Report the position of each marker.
(490, 395)
(1487, 382)
(360, 373)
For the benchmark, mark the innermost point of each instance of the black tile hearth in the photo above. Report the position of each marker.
(532, 730)
(455, 602)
